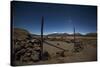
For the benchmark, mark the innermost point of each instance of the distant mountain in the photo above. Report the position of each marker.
(77, 34)
(91, 34)
(58, 34)
(64, 34)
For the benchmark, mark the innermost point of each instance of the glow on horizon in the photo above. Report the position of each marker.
(46, 33)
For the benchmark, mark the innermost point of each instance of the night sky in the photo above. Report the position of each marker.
(57, 18)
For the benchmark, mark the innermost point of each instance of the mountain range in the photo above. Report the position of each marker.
(24, 33)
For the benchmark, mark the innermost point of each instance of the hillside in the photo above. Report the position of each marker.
(20, 33)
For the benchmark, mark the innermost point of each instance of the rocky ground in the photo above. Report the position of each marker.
(29, 54)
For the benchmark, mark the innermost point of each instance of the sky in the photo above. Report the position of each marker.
(57, 18)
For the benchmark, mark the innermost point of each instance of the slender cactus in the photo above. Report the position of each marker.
(75, 49)
(74, 36)
(42, 25)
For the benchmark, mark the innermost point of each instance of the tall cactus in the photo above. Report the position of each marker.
(42, 26)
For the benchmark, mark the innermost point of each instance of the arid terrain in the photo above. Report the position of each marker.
(26, 49)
